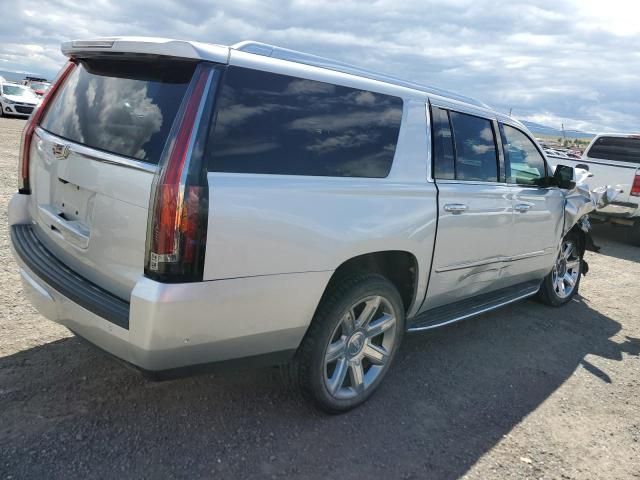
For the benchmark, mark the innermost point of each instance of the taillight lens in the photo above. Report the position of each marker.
(24, 185)
(635, 188)
(178, 212)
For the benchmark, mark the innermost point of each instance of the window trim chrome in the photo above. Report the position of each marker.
(94, 154)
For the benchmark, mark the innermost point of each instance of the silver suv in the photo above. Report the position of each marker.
(184, 204)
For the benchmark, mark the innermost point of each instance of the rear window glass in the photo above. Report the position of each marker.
(277, 124)
(476, 154)
(121, 107)
(616, 148)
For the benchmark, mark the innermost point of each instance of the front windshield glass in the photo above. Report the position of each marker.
(40, 86)
(18, 91)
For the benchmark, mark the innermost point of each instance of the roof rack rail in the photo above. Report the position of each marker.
(264, 49)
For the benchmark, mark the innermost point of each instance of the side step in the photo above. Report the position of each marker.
(439, 316)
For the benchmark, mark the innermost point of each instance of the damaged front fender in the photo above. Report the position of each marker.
(580, 201)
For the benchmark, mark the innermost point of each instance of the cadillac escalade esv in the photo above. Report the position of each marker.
(183, 204)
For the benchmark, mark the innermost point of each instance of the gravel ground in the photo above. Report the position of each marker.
(524, 392)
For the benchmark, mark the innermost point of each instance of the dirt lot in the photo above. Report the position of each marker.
(524, 392)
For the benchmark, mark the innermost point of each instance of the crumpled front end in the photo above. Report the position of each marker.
(580, 201)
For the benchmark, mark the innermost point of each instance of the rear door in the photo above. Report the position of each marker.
(538, 211)
(474, 209)
(93, 158)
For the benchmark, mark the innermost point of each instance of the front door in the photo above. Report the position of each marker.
(538, 211)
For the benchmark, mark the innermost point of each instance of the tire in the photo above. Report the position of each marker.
(634, 234)
(351, 342)
(563, 282)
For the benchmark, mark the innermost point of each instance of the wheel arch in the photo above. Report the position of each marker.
(400, 267)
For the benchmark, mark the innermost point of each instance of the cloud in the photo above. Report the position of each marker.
(574, 62)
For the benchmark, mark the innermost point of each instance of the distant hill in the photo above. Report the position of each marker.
(17, 76)
(538, 129)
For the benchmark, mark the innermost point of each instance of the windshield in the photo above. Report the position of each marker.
(17, 91)
(40, 86)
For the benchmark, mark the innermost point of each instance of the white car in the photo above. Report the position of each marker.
(17, 100)
(614, 159)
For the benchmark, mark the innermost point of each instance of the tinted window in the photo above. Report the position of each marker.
(476, 157)
(525, 164)
(443, 160)
(121, 107)
(616, 148)
(268, 123)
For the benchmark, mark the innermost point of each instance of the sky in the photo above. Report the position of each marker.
(550, 62)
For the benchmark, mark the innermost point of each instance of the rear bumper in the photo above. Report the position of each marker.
(619, 210)
(176, 327)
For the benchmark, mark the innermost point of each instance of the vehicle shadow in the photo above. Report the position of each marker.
(614, 242)
(68, 411)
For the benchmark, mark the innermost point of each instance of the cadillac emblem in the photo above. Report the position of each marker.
(60, 151)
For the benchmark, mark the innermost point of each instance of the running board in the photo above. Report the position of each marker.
(439, 316)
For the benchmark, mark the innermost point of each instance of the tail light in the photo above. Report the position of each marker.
(178, 213)
(24, 185)
(635, 188)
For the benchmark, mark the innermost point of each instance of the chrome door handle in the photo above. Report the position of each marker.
(455, 207)
(522, 207)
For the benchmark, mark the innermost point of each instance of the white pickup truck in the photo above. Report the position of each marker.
(614, 159)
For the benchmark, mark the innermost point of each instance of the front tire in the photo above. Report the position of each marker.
(562, 283)
(351, 342)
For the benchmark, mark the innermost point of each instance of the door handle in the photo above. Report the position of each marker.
(522, 207)
(455, 207)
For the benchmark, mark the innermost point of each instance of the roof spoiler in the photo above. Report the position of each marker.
(145, 46)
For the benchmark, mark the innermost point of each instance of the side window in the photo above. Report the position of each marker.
(443, 159)
(475, 146)
(525, 164)
(278, 124)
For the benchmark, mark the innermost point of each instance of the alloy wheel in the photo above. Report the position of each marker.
(360, 347)
(566, 270)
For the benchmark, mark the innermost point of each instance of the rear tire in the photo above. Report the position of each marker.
(351, 342)
(562, 283)
(634, 234)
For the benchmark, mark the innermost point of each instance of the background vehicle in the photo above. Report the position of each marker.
(39, 88)
(614, 159)
(254, 203)
(17, 100)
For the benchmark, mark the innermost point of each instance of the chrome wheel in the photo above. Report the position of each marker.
(566, 270)
(360, 347)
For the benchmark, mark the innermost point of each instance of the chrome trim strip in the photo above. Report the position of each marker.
(472, 182)
(473, 314)
(73, 232)
(97, 155)
(429, 143)
(460, 266)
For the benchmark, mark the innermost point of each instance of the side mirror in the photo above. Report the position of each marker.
(563, 177)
